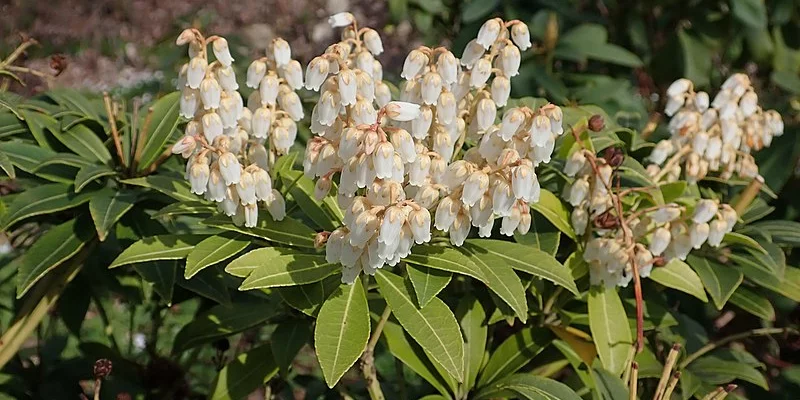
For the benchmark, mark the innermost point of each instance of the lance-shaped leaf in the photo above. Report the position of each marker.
(434, 327)
(720, 281)
(221, 321)
(7, 165)
(160, 247)
(83, 142)
(163, 121)
(174, 187)
(89, 173)
(609, 326)
(753, 303)
(554, 210)
(529, 387)
(471, 317)
(500, 278)
(718, 371)
(214, 249)
(678, 275)
(287, 231)
(325, 213)
(24, 156)
(209, 283)
(161, 274)
(290, 270)
(543, 235)
(530, 261)
(287, 340)
(245, 264)
(445, 259)
(40, 200)
(309, 298)
(53, 248)
(427, 282)
(342, 331)
(108, 206)
(242, 376)
(187, 208)
(514, 353)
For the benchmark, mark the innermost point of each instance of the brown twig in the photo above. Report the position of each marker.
(748, 195)
(368, 358)
(142, 138)
(112, 121)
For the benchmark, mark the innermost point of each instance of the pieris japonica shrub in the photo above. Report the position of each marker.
(430, 236)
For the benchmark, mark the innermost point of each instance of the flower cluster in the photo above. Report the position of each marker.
(716, 135)
(224, 142)
(640, 238)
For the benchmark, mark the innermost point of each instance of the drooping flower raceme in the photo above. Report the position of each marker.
(224, 142)
(713, 136)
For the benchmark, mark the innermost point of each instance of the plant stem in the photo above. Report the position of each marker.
(112, 120)
(368, 358)
(97, 384)
(671, 162)
(748, 195)
(715, 344)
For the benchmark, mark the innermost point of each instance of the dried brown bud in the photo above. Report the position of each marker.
(606, 220)
(58, 63)
(320, 239)
(102, 368)
(659, 261)
(613, 156)
(124, 396)
(596, 123)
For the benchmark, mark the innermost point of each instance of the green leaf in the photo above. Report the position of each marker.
(696, 61)
(530, 387)
(671, 191)
(478, 9)
(288, 270)
(83, 142)
(500, 278)
(326, 213)
(427, 282)
(434, 327)
(445, 259)
(246, 373)
(607, 384)
(186, 208)
(287, 340)
(528, 260)
(554, 210)
(309, 298)
(214, 249)
(7, 165)
(514, 353)
(677, 275)
(44, 199)
(24, 156)
(608, 323)
(62, 159)
(612, 53)
(780, 232)
(221, 321)
(752, 13)
(786, 80)
(160, 247)
(74, 100)
(753, 303)
(543, 235)
(471, 317)
(8, 101)
(789, 286)
(746, 241)
(404, 348)
(108, 206)
(89, 173)
(163, 121)
(178, 189)
(342, 331)
(57, 245)
(287, 231)
(720, 281)
(245, 264)
(717, 371)
(209, 283)
(161, 274)
(758, 268)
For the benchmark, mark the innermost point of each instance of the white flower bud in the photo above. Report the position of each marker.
(486, 114)
(575, 163)
(281, 52)
(488, 33)
(364, 113)
(510, 222)
(704, 211)
(290, 102)
(701, 101)
(579, 219)
(228, 112)
(293, 74)
(666, 213)
(221, 51)
(698, 234)
(402, 111)
(679, 87)
(502, 198)
(431, 87)
(210, 92)
(474, 187)
(663, 149)
(501, 90)
(268, 89)
(276, 206)
(373, 41)
(212, 126)
(472, 53)
(196, 72)
(189, 102)
(347, 86)
(341, 19)
(578, 191)
(404, 145)
(227, 79)
(524, 183)
(383, 159)
(521, 36)
(246, 188)
(748, 103)
(198, 175)
(510, 61)
(480, 73)
(217, 190)
(316, 72)
(256, 72)
(447, 66)
(413, 64)
(446, 108)
(261, 123)
(540, 130)
(674, 103)
(659, 241)
(382, 94)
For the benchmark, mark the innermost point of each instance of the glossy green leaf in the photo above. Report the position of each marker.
(9, 102)
(161, 274)
(678, 275)
(289, 270)
(342, 330)
(606, 317)
(221, 321)
(75, 101)
(214, 249)
(176, 188)
(758, 268)
(286, 341)
(500, 278)
(163, 122)
(554, 210)
(671, 191)
(24, 156)
(108, 206)
(326, 213)
(287, 231)
(69, 159)
(209, 283)
(608, 384)
(514, 353)
(696, 63)
(427, 282)
(309, 298)
(528, 260)
(780, 232)
(161, 247)
(434, 327)
(187, 208)
(752, 13)
(478, 9)
(7, 165)
(89, 173)
(789, 286)
(753, 303)
(44, 199)
(720, 281)
(529, 387)
(717, 371)
(445, 259)
(84, 142)
(471, 317)
(243, 375)
(543, 235)
(57, 245)
(245, 264)
(743, 240)
(404, 348)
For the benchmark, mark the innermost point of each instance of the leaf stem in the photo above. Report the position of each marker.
(748, 195)
(715, 344)
(368, 358)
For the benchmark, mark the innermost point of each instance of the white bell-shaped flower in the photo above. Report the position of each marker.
(413, 64)
(373, 41)
(341, 19)
(489, 32)
(521, 36)
(256, 72)
(221, 51)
